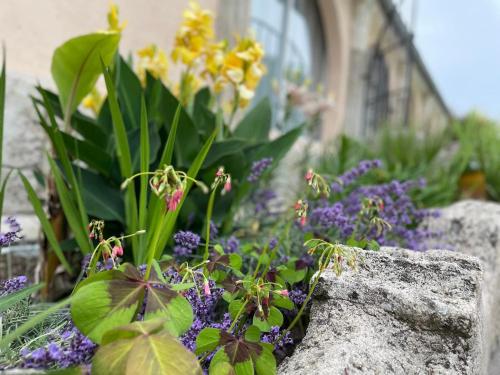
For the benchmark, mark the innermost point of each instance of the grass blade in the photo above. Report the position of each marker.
(46, 226)
(10, 300)
(2, 190)
(31, 323)
(55, 135)
(143, 195)
(70, 210)
(124, 157)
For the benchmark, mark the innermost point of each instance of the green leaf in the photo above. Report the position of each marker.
(108, 301)
(136, 349)
(76, 66)
(143, 195)
(255, 126)
(279, 147)
(2, 191)
(10, 300)
(235, 261)
(129, 93)
(106, 304)
(234, 307)
(283, 302)
(165, 303)
(252, 334)
(101, 199)
(207, 340)
(31, 323)
(124, 156)
(70, 211)
(264, 362)
(274, 318)
(44, 222)
(222, 149)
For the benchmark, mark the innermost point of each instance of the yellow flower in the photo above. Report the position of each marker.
(113, 19)
(153, 60)
(93, 101)
(193, 36)
(243, 68)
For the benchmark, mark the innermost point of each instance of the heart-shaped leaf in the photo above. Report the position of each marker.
(265, 323)
(143, 348)
(111, 299)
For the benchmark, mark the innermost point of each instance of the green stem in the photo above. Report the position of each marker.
(152, 249)
(208, 218)
(240, 311)
(308, 297)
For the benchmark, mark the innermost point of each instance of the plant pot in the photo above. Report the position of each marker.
(472, 184)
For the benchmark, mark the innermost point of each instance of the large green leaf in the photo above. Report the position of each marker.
(76, 66)
(143, 348)
(265, 323)
(207, 340)
(129, 93)
(101, 199)
(110, 299)
(255, 126)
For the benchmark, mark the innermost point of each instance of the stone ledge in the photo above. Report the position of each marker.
(401, 312)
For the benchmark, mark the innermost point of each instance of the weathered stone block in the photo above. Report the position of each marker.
(473, 228)
(401, 312)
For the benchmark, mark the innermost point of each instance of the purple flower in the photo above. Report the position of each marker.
(186, 242)
(350, 177)
(262, 199)
(231, 245)
(273, 335)
(12, 235)
(258, 167)
(12, 285)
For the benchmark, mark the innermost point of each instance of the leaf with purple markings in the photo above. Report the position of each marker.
(111, 299)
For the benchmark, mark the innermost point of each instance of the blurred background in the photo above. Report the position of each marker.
(414, 83)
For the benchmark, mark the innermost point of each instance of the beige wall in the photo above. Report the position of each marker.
(32, 29)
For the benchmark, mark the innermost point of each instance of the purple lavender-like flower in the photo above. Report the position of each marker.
(231, 245)
(69, 348)
(349, 177)
(12, 285)
(186, 242)
(214, 230)
(12, 235)
(273, 335)
(273, 242)
(258, 167)
(297, 296)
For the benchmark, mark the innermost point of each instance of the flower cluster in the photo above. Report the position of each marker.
(384, 213)
(353, 174)
(231, 244)
(12, 285)
(12, 235)
(273, 335)
(68, 347)
(186, 242)
(258, 167)
(243, 69)
(154, 61)
(222, 178)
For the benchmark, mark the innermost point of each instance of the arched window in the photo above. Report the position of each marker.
(377, 93)
(292, 35)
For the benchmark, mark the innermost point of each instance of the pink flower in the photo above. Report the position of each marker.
(227, 185)
(117, 251)
(206, 288)
(283, 292)
(219, 172)
(303, 220)
(174, 200)
(91, 235)
(309, 175)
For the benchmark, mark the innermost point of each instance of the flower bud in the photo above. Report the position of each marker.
(283, 293)
(206, 288)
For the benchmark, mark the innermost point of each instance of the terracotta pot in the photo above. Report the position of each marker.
(473, 185)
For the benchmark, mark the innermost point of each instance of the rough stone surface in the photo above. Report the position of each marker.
(401, 312)
(473, 228)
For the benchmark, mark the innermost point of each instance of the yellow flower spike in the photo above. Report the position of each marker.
(153, 60)
(113, 19)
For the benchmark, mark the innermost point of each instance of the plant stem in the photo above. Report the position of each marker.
(240, 311)
(208, 218)
(152, 249)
